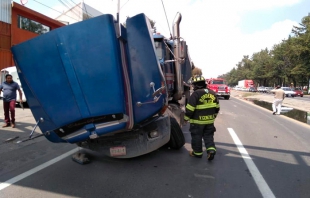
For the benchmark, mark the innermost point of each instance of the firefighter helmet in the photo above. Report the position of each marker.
(199, 82)
(198, 78)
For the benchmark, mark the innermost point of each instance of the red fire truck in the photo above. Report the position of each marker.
(218, 85)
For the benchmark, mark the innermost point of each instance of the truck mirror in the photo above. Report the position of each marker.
(189, 81)
(183, 49)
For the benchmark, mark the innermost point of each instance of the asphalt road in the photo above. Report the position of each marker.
(258, 155)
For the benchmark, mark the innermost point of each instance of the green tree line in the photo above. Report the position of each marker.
(287, 62)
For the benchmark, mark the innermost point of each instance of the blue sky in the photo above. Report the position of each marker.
(265, 18)
(218, 32)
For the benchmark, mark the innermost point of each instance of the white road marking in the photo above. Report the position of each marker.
(36, 169)
(258, 178)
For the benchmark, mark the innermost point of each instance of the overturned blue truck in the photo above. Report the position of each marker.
(105, 87)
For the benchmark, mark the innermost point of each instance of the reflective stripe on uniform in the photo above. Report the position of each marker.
(186, 118)
(211, 148)
(195, 153)
(192, 121)
(206, 106)
(190, 107)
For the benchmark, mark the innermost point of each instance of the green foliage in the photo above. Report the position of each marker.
(286, 62)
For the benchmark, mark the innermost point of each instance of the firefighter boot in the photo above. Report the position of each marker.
(211, 154)
(194, 154)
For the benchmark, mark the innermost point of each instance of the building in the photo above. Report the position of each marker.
(18, 24)
(79, 12)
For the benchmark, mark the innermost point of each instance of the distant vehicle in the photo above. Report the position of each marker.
(288, 91)
(237, 88)
(298, 92)
(252, 89)
(267, 89)
(219, 87)
(246, 83)
(261, 89)
(13, 71)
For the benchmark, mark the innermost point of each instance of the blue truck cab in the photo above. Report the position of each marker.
(105, 87)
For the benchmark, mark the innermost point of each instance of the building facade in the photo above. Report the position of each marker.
(79, 12)
(18, 24)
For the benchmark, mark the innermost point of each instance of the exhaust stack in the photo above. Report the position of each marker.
(177, 53)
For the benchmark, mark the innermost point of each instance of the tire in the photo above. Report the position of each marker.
(177, 139)
(301, 95)
(226, 97)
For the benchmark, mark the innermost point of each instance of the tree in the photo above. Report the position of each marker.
(152, 24)
(286, 62)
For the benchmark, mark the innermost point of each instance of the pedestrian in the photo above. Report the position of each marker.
(9, 88)
(201, 111)
(279, 96)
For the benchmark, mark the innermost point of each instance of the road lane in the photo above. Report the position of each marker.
(171, 173)
(258, 178)
(163, 173)
(278, 145)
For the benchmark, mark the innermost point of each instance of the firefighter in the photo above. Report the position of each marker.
(201, 111)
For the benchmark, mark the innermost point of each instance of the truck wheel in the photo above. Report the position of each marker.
(226, 97)
(177, 139)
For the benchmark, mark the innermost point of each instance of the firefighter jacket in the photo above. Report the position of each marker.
(202, 107)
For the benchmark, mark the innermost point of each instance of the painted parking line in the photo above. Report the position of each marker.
(36, 169)
(258, 178)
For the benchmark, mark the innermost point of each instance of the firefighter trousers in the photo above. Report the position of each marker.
(199, 132)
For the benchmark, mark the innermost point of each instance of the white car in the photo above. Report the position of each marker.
(260, 89)
(288, 91)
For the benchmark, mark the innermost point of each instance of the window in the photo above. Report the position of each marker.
(217, 82)
(159, 49)
(32, 26)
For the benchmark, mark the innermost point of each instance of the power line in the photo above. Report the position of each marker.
(54, 10)
(86, 10)
(166, 18)
(69, 8)
(124, 4)
(88, 14)
(76, 5)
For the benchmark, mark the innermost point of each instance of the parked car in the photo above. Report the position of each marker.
(298, 92)
(237, 88)
(269, 89)
(288, 91)
(252, 89)
(260, 89)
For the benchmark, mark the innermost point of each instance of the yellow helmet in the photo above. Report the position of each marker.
(198, 78)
